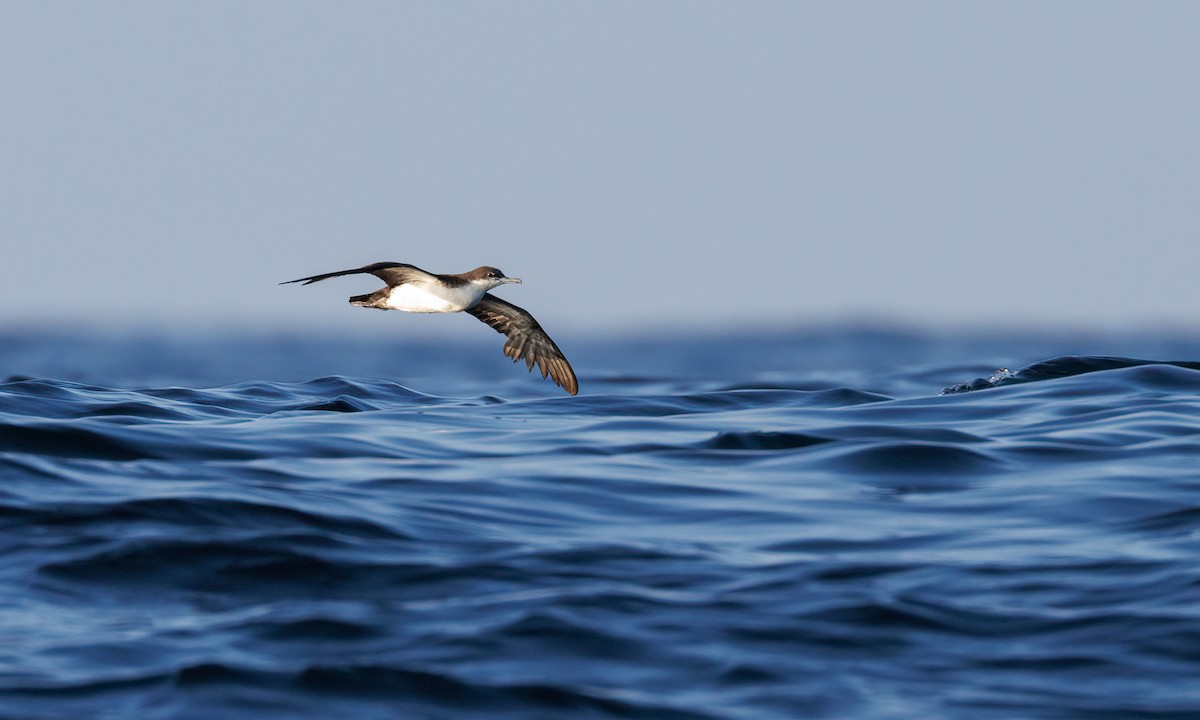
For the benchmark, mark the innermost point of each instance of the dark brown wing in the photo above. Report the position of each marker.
(392, 273)
(526, 339)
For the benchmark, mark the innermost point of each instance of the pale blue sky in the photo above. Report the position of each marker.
(940, 163)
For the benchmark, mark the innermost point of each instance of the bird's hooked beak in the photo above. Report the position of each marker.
(505, 280)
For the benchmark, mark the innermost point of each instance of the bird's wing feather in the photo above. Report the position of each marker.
(392, 273)
(526, 340)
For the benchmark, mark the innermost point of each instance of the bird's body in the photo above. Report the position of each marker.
(411, 289)
(415, 298)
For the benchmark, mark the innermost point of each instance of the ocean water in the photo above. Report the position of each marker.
(823, 523)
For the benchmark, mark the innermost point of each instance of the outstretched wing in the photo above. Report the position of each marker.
(526, 339)
(392, 273)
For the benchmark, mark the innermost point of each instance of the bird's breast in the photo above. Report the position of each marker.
(431, 299)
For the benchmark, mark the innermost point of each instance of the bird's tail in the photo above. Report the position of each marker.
(370, 300)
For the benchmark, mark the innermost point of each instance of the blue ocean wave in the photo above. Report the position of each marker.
(836, 542)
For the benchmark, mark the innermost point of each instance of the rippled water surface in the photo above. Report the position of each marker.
(833, 524)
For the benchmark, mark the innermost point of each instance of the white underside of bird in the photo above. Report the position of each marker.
(416, 299)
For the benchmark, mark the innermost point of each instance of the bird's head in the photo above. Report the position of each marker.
(490, 277)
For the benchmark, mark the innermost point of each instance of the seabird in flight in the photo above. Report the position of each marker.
(411, 289)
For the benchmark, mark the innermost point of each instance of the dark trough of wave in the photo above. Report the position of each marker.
(763, 543)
